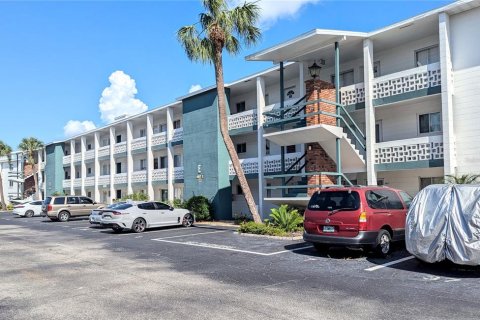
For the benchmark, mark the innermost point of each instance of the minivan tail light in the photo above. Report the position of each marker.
(49, 207)
(362, 221)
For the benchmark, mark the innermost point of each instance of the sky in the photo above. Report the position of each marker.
(71, 66)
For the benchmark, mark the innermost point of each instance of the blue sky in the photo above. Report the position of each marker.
(56, 57)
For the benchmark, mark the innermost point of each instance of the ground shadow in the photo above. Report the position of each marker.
(108, 230)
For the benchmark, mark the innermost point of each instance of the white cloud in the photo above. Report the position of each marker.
(273, 10)
(119, 98)
(74, 127)
(194, 87)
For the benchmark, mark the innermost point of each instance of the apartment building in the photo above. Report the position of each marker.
(13, 176)
(405, 114)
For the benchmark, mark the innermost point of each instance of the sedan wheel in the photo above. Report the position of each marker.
(29, 214)
(139, 225)
(187, 220)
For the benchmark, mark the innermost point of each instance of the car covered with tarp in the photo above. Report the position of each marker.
(443, 223)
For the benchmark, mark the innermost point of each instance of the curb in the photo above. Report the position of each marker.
(270, 237)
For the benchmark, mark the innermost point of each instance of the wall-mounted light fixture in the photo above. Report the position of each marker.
(199, 173)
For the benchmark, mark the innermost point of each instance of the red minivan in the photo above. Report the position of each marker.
(367, 217)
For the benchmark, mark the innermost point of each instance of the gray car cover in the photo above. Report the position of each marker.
(443, 222)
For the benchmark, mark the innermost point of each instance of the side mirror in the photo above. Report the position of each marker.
(171, 208)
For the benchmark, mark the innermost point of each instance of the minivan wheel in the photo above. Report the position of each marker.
(139, 225)
(321, 247)
(384, 243)
(29, 214)
(63, 216)
(187, 220)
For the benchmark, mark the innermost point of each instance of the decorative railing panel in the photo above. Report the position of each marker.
(103, 151)
(159, 138)
(89, 154)
(89, 181)
(120, 178)
(271, 164)
(178, 173)
(120, 147)
(66, 159)
(77, 157)
(104, 180)
(139, 176)
(242, 120)
(66, 184)
(77, 183)
(159, 175)
(177, 135)
(139, 143)
(417, 149)
(352, 94)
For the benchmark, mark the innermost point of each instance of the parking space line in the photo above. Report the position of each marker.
(147, 232)
(389, 263)
(191, 234)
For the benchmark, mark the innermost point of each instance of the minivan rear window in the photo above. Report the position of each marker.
(332, 200)
(47, 200)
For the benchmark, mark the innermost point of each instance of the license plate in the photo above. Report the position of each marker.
(328, 229)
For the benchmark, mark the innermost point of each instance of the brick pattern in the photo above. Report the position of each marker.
(318, 89)
(29, 183)
(317, 159)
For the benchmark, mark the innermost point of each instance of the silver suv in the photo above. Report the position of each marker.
(62, 208)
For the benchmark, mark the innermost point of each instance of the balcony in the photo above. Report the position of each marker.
(104, 180)
(77, 183)
(178, 173)
(66, 184)
(89, 154)
(67, 159)
(139, 176)
(159, 138)
(397, 86)
(423, 152)
(89, 181)
(120, 147)
(120, 178)
(159, 174)
(139, 143)
(77, 157)
(177, 135)
(271, 164)
(103, 151)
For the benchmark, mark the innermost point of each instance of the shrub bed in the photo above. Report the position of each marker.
(262, 229)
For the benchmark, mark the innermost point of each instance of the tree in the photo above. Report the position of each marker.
(221, 27)
(5, 151)
(462, 179)
(30, 146)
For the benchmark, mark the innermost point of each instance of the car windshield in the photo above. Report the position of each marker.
(47, 200)
(334, 200)
(122, 206)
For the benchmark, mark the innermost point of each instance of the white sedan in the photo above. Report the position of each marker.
(138, 216)
(29, 209)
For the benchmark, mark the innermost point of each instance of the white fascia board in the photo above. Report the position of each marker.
(258, 74)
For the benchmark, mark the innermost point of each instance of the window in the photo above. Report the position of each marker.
(156, 129)
(143, 164)
(118, 194)
(430, 122)
(241, 106)
(85, 200)
(155, 163)
(119, 138)
(291, 149)
(267, 147)
(67, 152)
(267, 99)
(67, 176)
(162, 206)
(332, 200)
(177, 160)
(239, 189)
(407, 199)
(36, 203)
(241, 147)
(89, 170)
(163, 127)
(58, 200)
(77, 174)
(346, 78)
(105, 170)
(427, 56)
(269, 191)
(376, 71)
(89, 146)
(146, 206)
(72, 200)
(163, 162)
(378, 132)
(143, 133)
(105, 142)
(176, 124)
(119, 167)
(164, 194)
(11, 183)
(121, 206)
(383, 199)
(424, 182)
(89, 194)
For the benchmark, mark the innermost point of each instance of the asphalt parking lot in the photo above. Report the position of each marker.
(53, 270)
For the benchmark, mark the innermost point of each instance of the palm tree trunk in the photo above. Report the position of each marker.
(2, 197)
(226, 136)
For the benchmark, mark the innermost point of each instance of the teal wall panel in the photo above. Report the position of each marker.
(54, 173)
(203, 145)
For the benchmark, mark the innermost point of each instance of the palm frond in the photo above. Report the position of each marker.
(215, 6)
(462, 179)
(244, 19)
(232, 45)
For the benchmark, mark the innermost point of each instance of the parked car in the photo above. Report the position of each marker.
(64, 207)
(138, 216)
(29, 209)
(367, 217)
(443, 223)
(96, 214)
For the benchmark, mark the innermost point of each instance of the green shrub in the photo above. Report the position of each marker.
(179, 203)
(201, 207)
(260, 228)
(136, 196)
(286, 219)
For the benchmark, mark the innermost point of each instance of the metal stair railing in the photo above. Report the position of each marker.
(275, 115)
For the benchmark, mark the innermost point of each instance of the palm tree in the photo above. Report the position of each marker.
(5, 151)
(221, 27)
(462, 179)
(30, 146)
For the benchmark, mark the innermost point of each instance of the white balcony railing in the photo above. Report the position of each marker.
(104, 180)
(242, 119)
(120, 147)
(77, 183)
(66, 184)
(139, 176)
(177, 134)
(178, 173)
(66, 159)
(408, 150)
(271, 164)
(393, 84)
(77, 157)
(103, 151)
(120, 178)
(139, 143)
(89, 154)
(159, 174)
(159, 138)
(89, 181)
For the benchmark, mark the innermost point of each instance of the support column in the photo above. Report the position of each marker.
(83, 166)
(337, 99)
(112, 164)
(45, 175)
(72, 167)
(129, 157)
(282, 113)
(96, 167)
(446, 68)
(260, 141)
(301, 93)
(170, 176)
(40, 176)
(369, 112)
(150, 191)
